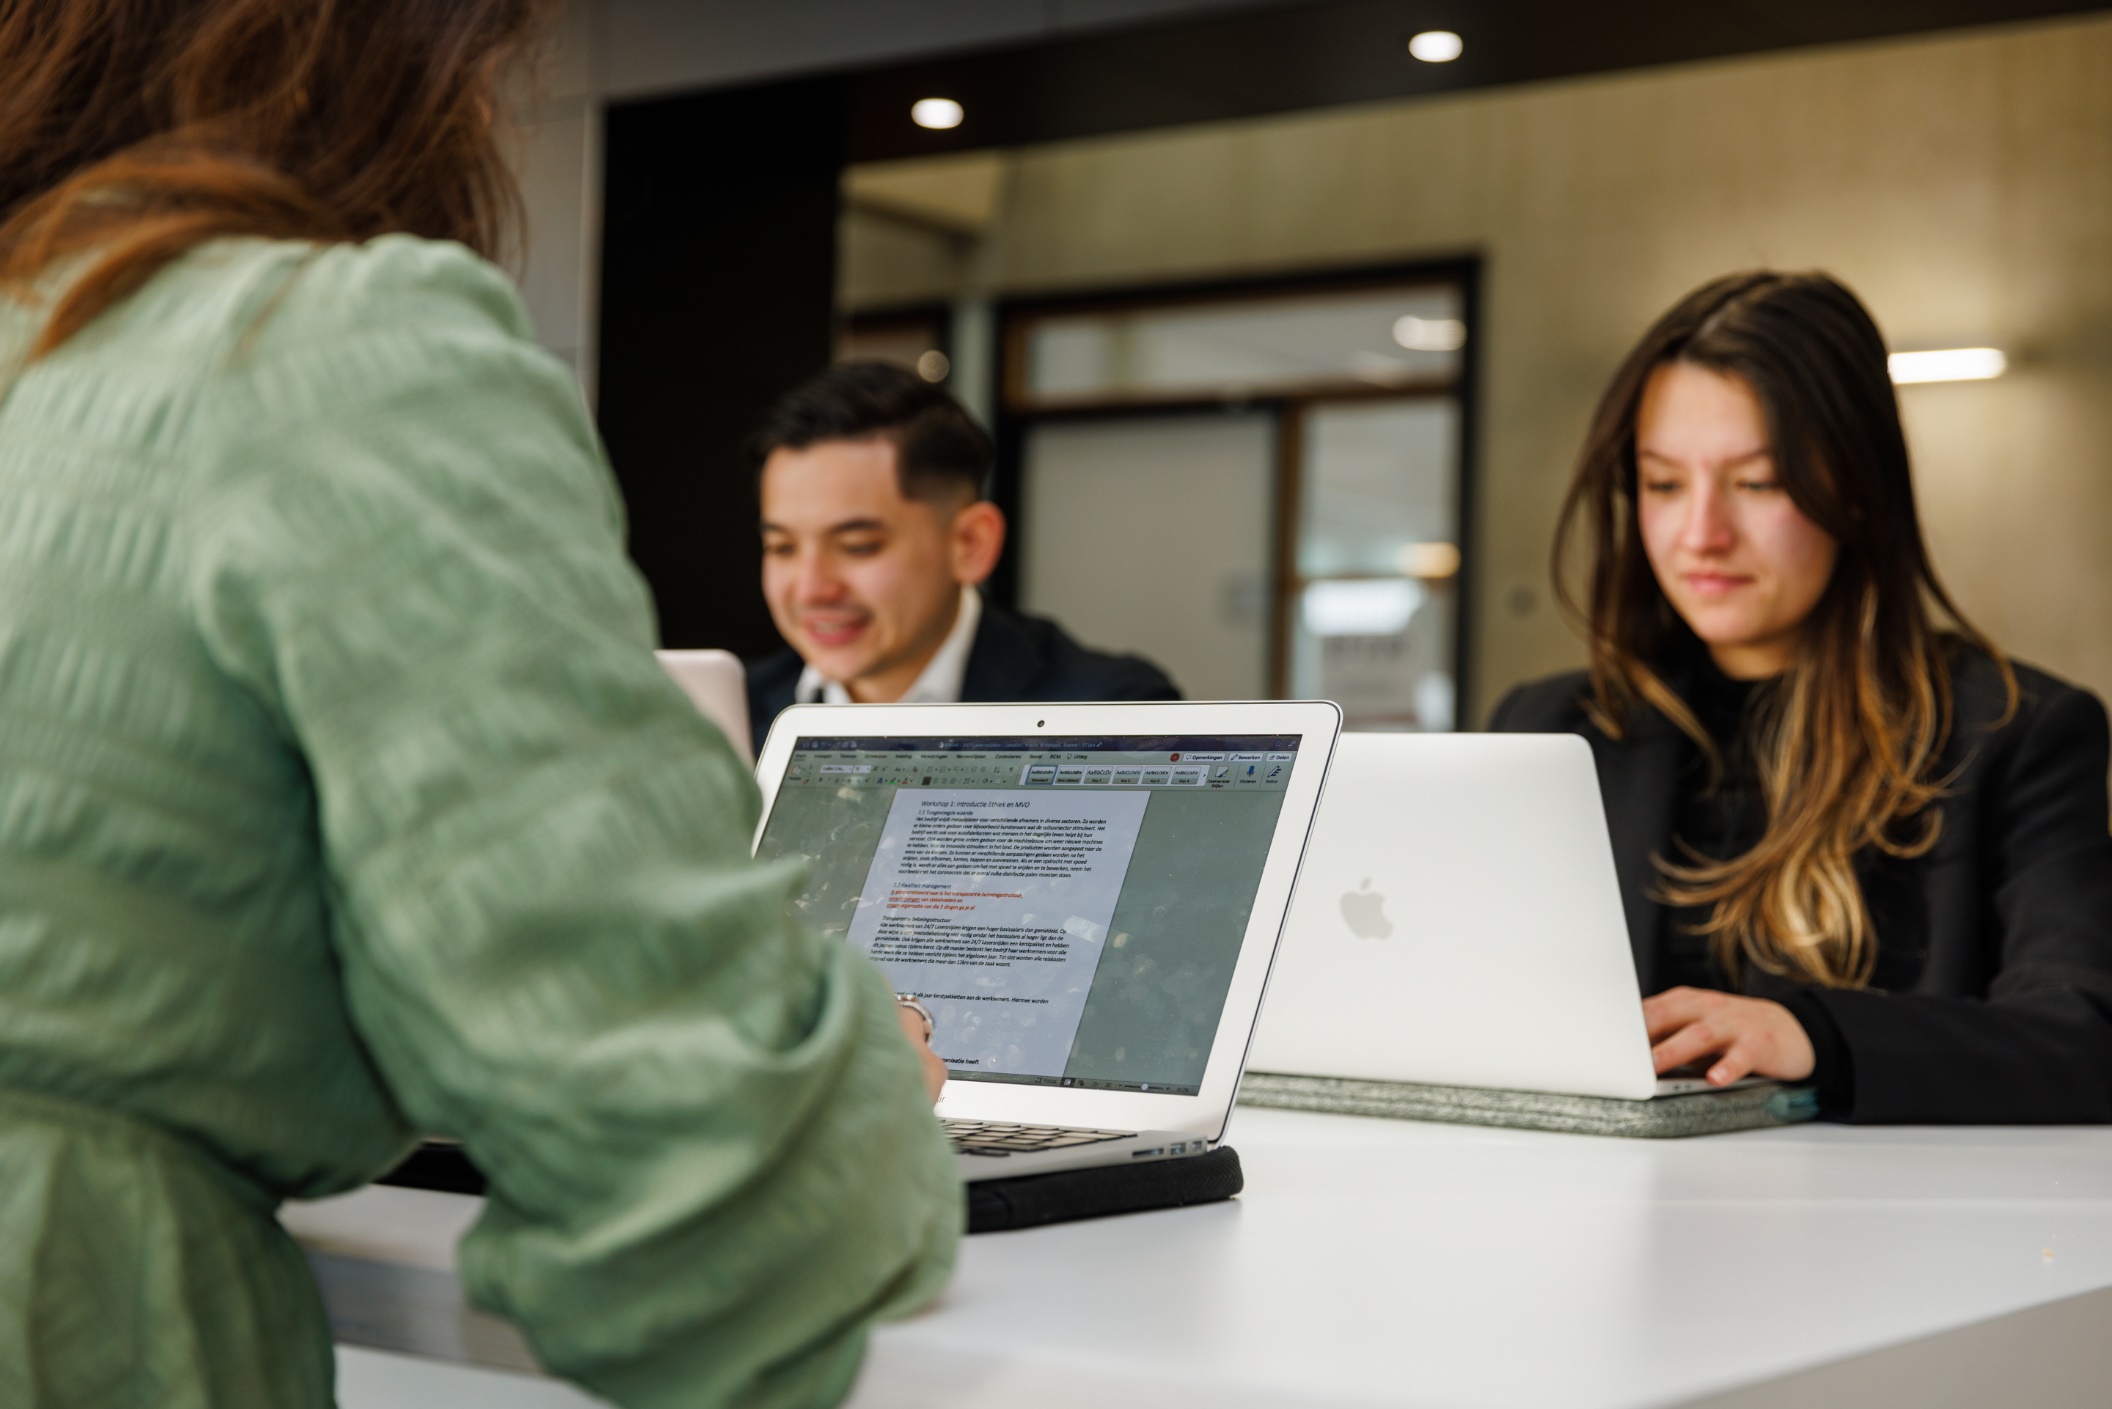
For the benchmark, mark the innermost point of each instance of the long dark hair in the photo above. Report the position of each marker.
(132, 131)
(1848, 740)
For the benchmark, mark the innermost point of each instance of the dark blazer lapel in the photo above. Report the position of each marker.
(1639, 781)
(772, 683)
(1004, 663)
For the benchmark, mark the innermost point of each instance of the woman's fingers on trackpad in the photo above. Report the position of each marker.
(1737, 1064)
(1743, 1036)
(1690, 1043)
(1675, 1008)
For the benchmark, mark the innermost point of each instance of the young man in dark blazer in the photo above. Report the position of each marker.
(876, 535)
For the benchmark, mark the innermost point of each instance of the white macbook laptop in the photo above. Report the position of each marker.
(718, 686)
(1086, 897)
(1459, 923)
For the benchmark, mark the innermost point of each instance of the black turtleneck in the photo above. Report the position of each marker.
(1716, 820)
(1720, 820)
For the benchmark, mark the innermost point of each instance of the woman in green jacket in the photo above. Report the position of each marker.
(341, 798)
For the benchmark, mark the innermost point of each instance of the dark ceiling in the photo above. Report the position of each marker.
(1272, 60)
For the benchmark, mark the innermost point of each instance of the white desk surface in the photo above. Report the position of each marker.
(1375, 1262)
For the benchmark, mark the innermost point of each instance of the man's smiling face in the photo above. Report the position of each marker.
(862, 581)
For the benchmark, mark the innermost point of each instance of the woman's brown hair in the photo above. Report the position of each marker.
(1847, 741)
(131, 131)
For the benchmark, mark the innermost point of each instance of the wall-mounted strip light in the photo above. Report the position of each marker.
(1429, 334)
(937, 113)
(1375, 606)
(1950, 364)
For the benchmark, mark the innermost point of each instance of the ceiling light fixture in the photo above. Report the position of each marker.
(936, 113)
(1950, 364)
(1437, 46)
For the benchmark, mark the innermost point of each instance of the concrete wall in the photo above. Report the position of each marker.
(1961, 184)
(554, 134)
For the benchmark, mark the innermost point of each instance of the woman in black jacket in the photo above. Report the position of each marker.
(1858, 846)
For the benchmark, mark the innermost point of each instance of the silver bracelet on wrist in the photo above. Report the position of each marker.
(915, 1005)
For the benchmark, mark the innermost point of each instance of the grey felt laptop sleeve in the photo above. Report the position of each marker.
(1704, 1113)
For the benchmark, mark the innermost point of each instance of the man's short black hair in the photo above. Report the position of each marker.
(939, 449)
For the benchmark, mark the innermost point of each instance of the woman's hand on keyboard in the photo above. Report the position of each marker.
(1747, 1036)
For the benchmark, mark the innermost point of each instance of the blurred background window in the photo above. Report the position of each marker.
(1282, 345)
(1263, 489)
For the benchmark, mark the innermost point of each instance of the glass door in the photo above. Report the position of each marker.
(1151, 534)
(1371, 612)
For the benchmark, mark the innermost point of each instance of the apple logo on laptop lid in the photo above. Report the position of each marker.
(1364, 909)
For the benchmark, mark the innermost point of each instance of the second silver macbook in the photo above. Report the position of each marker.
(1458, 923)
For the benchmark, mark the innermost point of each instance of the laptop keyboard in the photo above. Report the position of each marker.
(984, 1137)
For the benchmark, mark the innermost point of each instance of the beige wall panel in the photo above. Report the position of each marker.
(892, 262)
(1962, 184)
(551, 159)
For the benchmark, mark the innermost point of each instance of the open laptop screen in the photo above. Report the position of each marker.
(1070, 909)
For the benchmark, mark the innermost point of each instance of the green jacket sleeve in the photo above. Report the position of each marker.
(711, 1163)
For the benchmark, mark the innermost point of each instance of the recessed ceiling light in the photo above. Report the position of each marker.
(936, 113)
(1950, 364)
(1437, 46)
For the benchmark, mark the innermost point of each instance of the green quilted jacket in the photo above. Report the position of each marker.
(341, 799)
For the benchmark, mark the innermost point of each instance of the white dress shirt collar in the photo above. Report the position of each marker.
(943, 673)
